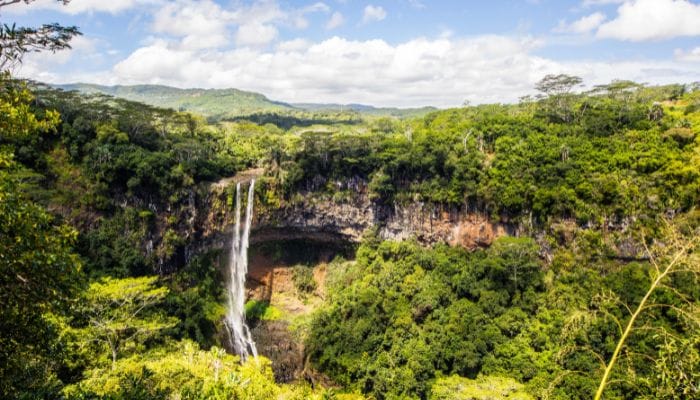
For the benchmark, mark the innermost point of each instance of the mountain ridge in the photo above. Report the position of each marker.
(230, 102)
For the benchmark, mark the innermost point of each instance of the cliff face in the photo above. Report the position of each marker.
(349, 213)
(349, 219)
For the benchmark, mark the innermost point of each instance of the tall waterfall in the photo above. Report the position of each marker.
(239, 334)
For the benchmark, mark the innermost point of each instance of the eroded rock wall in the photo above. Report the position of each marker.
(319, 214)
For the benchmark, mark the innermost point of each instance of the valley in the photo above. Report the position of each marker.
(534, 234)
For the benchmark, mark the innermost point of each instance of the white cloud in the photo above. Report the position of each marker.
(81, 6)
(440, 72)
(148, 64)
(422, 71)
(293, 45)
(335, 21)
(255, 34)
(692, 55)
(373, 14)
(200, 24)
(81, 46)
(583, 25)
(257, 23)
(417, 72)
(205, 24)
(640, 20)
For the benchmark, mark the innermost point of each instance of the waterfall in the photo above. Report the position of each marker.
(239, 334)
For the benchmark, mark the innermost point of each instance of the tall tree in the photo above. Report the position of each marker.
(558, 90)
(120, 311)
(38, 274)
(557, 85)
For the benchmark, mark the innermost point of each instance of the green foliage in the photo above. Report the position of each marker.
(179, 371)
(677, 368)
(39, 274)
(121, 313)
(261, 310)
(39, 271)
(593, 157)
(196, 299)
(234, 104)
(482, 388)
(16, 41)
(303, 278)
(406, 314)
(402, 321)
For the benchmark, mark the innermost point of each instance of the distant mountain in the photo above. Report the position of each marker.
(365, 109)
(217, 103)
(229, 103)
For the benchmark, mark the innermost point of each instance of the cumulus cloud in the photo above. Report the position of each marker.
(293, 45)
(440, 72)
(373, 14)
(257, 23)
(583, 25)
(335, 21)
(640, 20)
(206, 24)
(255, 34)
(692, 55)
(200, 24)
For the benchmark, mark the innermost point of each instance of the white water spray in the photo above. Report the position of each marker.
(239, 334)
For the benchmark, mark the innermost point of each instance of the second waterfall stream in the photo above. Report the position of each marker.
(239, 334)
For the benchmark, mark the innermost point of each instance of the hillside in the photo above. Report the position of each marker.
(366, 110)
(219, 104)
(214, 103)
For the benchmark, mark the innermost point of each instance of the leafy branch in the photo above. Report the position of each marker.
(678, 255)
(16, 41)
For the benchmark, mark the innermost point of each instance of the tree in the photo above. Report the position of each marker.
(38, 274)
(16, 117)
(558, 90)
(120, 311)
(16, 41)
(557, 85)
(38, 268)
(179, 370)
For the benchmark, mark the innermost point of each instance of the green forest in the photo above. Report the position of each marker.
(109, 291)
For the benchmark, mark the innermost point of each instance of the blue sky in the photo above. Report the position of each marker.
(388, 53)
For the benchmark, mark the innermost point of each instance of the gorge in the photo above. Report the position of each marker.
(473, 249)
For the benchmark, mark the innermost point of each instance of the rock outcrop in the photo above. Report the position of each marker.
(349, 219)
(349, 213)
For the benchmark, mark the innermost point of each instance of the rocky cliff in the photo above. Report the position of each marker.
(346, 215)
(321, 216)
